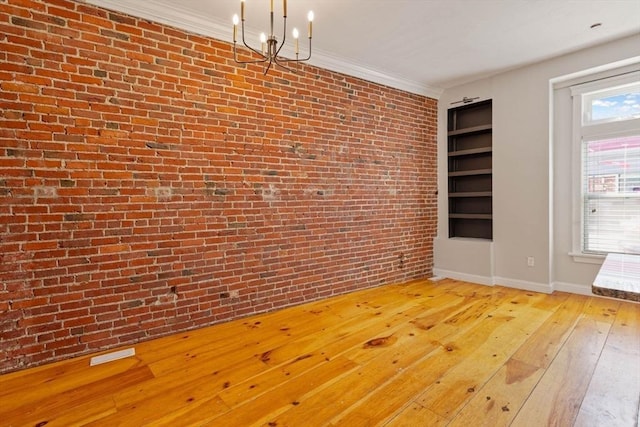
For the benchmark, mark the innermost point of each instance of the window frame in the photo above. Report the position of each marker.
(593, 130)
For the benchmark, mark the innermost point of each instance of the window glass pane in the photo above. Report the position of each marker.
(611, 188)
(613, 165)
(610, 105)
(619, 107)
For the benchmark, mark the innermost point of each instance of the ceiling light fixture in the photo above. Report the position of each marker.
(268, 54)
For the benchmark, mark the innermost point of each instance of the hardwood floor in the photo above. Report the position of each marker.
(418, 354)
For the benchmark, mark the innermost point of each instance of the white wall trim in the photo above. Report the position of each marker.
(595, 73)
(587, 258)
(545, 288)
(524, 285)
(340, 65)
(481, 280)
(573, 288)
(219, 29)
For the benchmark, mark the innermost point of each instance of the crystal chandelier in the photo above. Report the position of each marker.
(268, 54)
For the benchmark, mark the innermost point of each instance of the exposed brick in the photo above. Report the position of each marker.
(15, 20)
(151, 185)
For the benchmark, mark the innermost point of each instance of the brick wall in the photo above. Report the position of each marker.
(150, 185)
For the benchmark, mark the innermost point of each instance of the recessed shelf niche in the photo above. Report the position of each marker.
(469, 150)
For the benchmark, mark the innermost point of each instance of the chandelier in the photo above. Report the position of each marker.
(270, 49)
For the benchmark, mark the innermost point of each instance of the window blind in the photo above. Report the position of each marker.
(611, 191)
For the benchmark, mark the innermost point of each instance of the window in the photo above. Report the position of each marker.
(607, 144)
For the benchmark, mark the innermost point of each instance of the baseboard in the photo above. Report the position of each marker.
(545, 288)
(481, 280)
(572, 288)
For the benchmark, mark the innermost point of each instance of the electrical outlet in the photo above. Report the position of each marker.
(531, 261)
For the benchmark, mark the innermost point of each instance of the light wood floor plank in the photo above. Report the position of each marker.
(81, 415)
(78, 402)
(407, 347)
(72, 376)
(421, 338)
(497, 402)
(416, 415)
(207, 377)
(287, 395)
(466, 379)
(417, 354)
(542, 347)
(461, 334)
(556, 399)
(614, 390)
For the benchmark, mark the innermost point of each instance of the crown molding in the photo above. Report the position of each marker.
(217, 29)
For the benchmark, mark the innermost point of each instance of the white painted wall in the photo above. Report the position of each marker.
(531, 179)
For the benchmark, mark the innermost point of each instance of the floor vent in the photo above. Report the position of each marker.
(110, 357)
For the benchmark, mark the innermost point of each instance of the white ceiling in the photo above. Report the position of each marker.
(423, 46)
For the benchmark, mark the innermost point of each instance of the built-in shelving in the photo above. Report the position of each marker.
(469, 130)
(469, 152)
(471, 194)
(471, 216)
(472, 172)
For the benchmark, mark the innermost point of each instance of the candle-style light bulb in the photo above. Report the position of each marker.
(310, 18)
(236, 20)
(242, 9)
(271, 6)
(296, 34)
(284, 8)
(263, 40)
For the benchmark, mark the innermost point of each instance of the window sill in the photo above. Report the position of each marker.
(587, 258)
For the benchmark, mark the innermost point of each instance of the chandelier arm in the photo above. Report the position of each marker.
(298, 60)
(309, 55)
(266, 69)
(257, 52)
(280, 64)
(255, 61)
